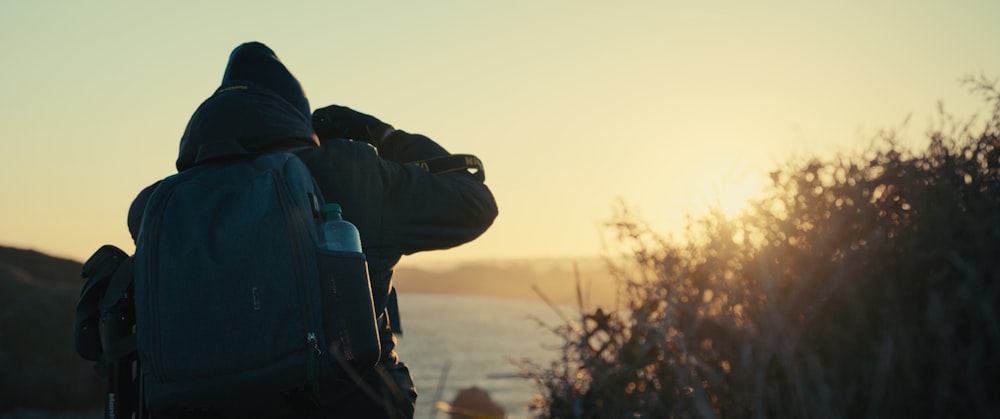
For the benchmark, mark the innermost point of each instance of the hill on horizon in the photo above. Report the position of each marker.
(41, 369)
(34, 266)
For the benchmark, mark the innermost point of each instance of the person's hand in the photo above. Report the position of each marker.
(342, 122)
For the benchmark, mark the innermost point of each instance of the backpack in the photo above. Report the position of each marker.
(238, 312)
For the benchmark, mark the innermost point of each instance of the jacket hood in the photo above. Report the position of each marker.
(242, 119)
(260, 105)
(254, 62)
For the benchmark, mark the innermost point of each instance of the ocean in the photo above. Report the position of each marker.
(452, 342)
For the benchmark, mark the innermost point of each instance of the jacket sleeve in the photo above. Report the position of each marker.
(438, 211)
(399, 207)
(435, 211)
(403, 147)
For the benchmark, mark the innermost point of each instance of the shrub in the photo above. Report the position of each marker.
(860, 286)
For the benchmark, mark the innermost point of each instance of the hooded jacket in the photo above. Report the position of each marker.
(398, 207)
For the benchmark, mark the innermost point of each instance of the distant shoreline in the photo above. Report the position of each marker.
(556, 280)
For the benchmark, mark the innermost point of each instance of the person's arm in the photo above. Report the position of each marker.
(436, 211)
(403, 147)
(420, 210)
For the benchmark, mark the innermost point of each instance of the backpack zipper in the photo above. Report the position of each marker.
(312, 364)
(152, 249)
(297, 227)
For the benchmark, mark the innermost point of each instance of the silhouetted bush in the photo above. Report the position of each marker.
(861, 286)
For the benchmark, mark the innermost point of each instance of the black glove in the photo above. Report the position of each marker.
(342, 122)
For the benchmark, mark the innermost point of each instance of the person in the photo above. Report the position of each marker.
(358, 161)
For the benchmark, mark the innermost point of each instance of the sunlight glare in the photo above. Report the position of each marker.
(732, 196)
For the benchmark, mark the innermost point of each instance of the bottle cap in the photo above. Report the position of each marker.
(331, 208)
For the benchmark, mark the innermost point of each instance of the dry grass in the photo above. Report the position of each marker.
(861, 286)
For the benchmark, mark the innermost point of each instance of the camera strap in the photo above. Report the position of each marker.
(454, 163)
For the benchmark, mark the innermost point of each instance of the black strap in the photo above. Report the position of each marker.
(86, 328)
(392, 307)
(119, 284)
(118, 350)
(454, 163)
(99, 271)
(103, 262)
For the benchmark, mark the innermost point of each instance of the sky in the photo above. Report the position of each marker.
(573, 106)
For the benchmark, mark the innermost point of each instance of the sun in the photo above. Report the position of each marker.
(731, 195)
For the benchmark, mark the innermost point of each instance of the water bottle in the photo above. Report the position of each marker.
(337, 234)
(348, 310)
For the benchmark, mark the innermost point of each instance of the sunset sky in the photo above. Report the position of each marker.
(572, 105)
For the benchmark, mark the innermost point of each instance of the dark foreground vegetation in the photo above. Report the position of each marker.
(39, 367)
(863, 286)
